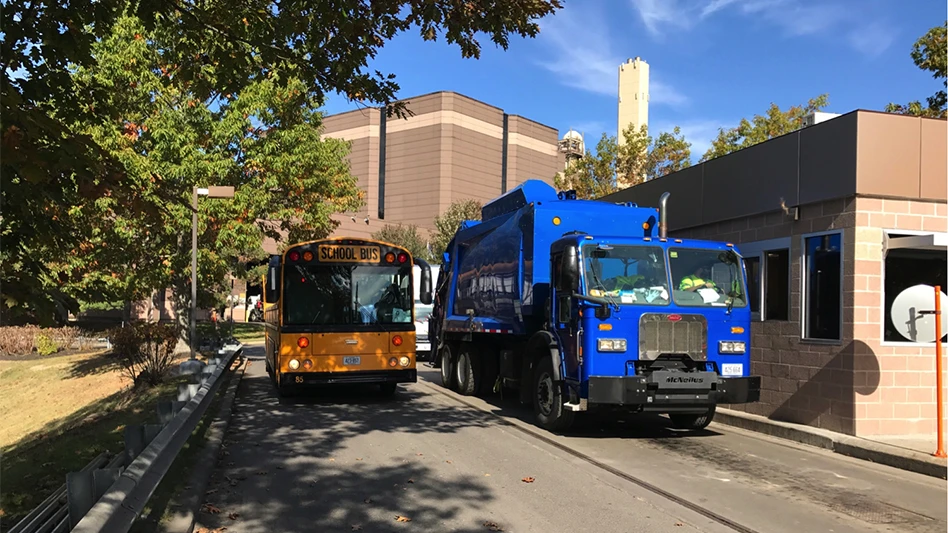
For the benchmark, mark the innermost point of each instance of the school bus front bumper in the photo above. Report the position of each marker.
(409, 375)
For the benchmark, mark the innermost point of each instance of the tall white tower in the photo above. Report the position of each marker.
(633, 95)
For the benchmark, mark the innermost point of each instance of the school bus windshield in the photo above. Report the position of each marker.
(347, 295)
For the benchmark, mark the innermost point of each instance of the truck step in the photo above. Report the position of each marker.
(581, 406)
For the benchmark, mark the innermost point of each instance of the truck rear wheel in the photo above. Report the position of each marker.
(447, 367)
(548, 399)
(465, 375)
(692, 422)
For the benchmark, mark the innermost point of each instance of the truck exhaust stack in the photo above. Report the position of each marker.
(663, 215)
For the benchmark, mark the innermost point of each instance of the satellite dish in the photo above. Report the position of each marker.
(906, 317)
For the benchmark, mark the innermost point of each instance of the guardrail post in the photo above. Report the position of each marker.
(102, 479)
(134, 442)
(79, 495)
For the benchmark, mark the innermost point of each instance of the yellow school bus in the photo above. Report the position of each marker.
(342, 311)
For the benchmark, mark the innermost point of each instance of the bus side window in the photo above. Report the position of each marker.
(273, 281)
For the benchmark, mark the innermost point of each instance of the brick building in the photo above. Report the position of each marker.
(452, 148)
(835, 221)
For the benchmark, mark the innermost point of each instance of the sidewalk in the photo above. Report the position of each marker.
(913, 454)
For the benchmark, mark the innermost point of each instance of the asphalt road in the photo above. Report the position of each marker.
(348, 460)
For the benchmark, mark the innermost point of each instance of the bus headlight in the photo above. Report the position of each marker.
(611, 345)
(294, 364)
(731, 347)
(404, 361)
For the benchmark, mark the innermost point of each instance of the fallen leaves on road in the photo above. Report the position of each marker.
(449, 462)
(492, 526)
(678, 524)
(212, 491)
(411, 480)
(419, 454)
(356, 527)
(262, 473)
(206, 530)
(233, 516)
(210, 508)
(486, 475)
(368, 500)
(358, 458)
(528, 479)
(400, 518)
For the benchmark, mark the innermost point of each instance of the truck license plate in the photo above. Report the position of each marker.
(732, 369)
(352, 360)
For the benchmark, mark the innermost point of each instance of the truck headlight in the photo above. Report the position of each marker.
(731, 347)
(611, 345)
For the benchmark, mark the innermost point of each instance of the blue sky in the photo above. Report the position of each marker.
(712, 62)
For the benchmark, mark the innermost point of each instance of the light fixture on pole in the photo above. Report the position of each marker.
(210, 192)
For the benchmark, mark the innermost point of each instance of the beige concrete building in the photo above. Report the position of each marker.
(633, 102)
(452, 148)
(837, 223)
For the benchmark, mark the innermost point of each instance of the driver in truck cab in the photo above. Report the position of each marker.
(695, 281)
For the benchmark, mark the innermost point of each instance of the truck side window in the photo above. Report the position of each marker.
(562, 308)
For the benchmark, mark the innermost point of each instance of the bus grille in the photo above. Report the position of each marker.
(672, 333)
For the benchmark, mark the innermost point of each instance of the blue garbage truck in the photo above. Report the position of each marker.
(586, 305)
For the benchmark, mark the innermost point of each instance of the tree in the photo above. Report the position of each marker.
(406, 237)
(929, 53)
(266, 143)
(448, 223)
(614, 166)
(774, 123)
(55, 168)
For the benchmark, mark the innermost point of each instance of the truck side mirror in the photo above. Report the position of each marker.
(424, 289)
(569, 269)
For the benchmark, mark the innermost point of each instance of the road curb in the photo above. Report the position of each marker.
(848, 445)
(184, 510)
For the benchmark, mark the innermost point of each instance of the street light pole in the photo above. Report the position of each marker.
(210, 192)
(194, 265)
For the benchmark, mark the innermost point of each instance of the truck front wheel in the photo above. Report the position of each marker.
(692, 422)
(548, 399)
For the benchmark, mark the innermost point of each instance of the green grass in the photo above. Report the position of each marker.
(37, 464)
(245, 332)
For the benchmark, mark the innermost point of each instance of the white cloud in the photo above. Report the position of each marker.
(795, 18)
(581, 56)
(872, 39)
(698, 132)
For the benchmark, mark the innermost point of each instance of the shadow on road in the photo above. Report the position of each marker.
(603, 424)
(334, 460)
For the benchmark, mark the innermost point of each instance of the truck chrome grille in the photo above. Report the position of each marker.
(673, 333)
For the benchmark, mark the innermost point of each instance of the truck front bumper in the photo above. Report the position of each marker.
(667, 391)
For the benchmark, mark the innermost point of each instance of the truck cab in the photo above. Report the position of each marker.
(654, 323)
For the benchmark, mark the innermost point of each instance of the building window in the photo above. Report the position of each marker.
(768, 278)
(752, 264)
(823, 282)
(905, 268)
(777, 285)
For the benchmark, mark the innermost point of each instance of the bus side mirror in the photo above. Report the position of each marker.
(569, 270)
(424, 290)
(270, 290)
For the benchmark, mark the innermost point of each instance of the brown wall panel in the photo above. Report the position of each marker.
(828, 159)
(889, 149)
(934, 163)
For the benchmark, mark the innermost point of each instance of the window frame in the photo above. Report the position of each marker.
(759, 250)
(886, 232)
(803, 281)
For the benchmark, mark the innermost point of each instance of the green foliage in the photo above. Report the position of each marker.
(930, 53)
(123, 140)
(614, 166)
(45, 345)
(406, 236)
(145, 351)
(774, 123)
(447, 224)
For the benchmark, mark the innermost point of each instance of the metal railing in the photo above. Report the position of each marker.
(109, 494)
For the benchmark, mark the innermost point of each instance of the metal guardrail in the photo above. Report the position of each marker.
(109, 495)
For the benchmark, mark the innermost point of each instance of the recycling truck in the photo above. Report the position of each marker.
(583, 305)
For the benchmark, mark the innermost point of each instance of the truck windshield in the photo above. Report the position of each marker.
(326, 295)
(633, 275)
(706, 277)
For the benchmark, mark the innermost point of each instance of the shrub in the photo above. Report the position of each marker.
(67, 337)
(46, 345)
(145, 350)
(17, 340)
